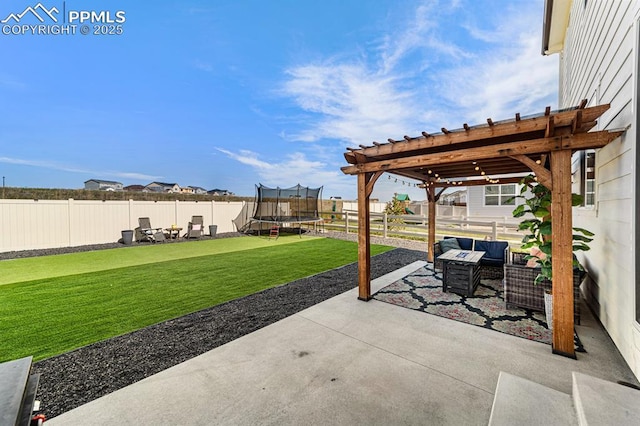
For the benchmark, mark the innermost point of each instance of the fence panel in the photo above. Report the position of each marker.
(41, 224)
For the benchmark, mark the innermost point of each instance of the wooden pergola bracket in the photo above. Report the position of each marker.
(543, 174)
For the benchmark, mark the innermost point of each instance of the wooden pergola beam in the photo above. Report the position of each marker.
(510, 128)
(535, 146)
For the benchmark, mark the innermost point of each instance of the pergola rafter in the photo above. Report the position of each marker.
(498, 151)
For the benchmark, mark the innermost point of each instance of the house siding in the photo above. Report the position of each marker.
(477, 208)
(600, 63)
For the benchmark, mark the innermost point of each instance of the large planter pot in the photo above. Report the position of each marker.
(548, 309)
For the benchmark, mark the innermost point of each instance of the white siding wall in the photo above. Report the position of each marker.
(599, 62)
(38, 224)
(476, 207)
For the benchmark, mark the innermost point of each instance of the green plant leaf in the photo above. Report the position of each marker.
(578, 237)
(581, 247)
(546, 248)
(527, 224)
(541, 212)
(545, 228)
(576, 200)
(519, 211)
(584, 231)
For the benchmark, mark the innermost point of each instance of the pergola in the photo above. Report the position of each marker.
(482, 155)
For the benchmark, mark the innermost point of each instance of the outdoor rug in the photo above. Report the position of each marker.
(422, 291)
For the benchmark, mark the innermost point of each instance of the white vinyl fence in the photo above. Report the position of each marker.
(416, 226)
(39, 224)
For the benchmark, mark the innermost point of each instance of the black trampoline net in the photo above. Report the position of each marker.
(287, 205)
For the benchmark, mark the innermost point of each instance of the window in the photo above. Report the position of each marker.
(500, 195)
(589, 179)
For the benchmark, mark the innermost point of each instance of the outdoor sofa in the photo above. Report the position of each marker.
(491, 264)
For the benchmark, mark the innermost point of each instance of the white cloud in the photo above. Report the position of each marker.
(71, 169)
(295, 168)
(352, 103)
(203, 66)
(434, 67)
(423, 80)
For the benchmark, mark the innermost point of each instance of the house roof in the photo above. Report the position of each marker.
(134, 187)
(402, 197)
(554, 26)
(163, 184)
(110, 182)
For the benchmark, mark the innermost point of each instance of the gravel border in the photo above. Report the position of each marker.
(80, 376)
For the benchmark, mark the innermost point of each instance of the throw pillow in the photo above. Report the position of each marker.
(449, 244)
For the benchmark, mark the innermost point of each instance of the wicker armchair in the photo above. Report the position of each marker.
(521, 292)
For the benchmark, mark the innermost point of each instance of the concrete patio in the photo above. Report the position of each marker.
(344, 361)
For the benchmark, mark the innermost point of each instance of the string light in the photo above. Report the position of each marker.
(483, 173)
(409, 184)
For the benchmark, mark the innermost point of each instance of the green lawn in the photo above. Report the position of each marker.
(75, 263)
(68, 307)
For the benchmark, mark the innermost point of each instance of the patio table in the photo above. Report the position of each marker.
(173, 232)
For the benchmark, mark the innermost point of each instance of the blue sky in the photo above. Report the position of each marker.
(229, 94)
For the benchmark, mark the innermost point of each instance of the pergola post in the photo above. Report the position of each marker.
(432, 198)
(562, 248)
(365, 187)
(431, 235)
(364, 245)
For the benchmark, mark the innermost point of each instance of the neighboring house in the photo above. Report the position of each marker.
(187, 190)
(134, 188)
(102, 185)
(598, 43)
(197, 190)
(162, 187)
(493, 200)
(219, 192)
(456, 198)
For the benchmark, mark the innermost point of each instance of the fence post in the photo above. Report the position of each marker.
(71, 216)
(384, 225)
(495, 231)
(346, 222)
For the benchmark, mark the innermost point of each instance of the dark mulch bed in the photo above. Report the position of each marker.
(75, 378)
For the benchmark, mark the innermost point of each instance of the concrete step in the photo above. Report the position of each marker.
(520, 401)
(599, 402)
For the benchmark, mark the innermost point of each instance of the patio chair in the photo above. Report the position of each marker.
(145, 232)
(520, 290)
(195, 228)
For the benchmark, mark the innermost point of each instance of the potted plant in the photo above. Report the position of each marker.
(538, 204)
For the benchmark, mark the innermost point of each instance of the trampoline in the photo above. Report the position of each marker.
(287, 207)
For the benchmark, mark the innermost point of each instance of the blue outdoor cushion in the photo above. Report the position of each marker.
(449, 244)
(494, 250)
